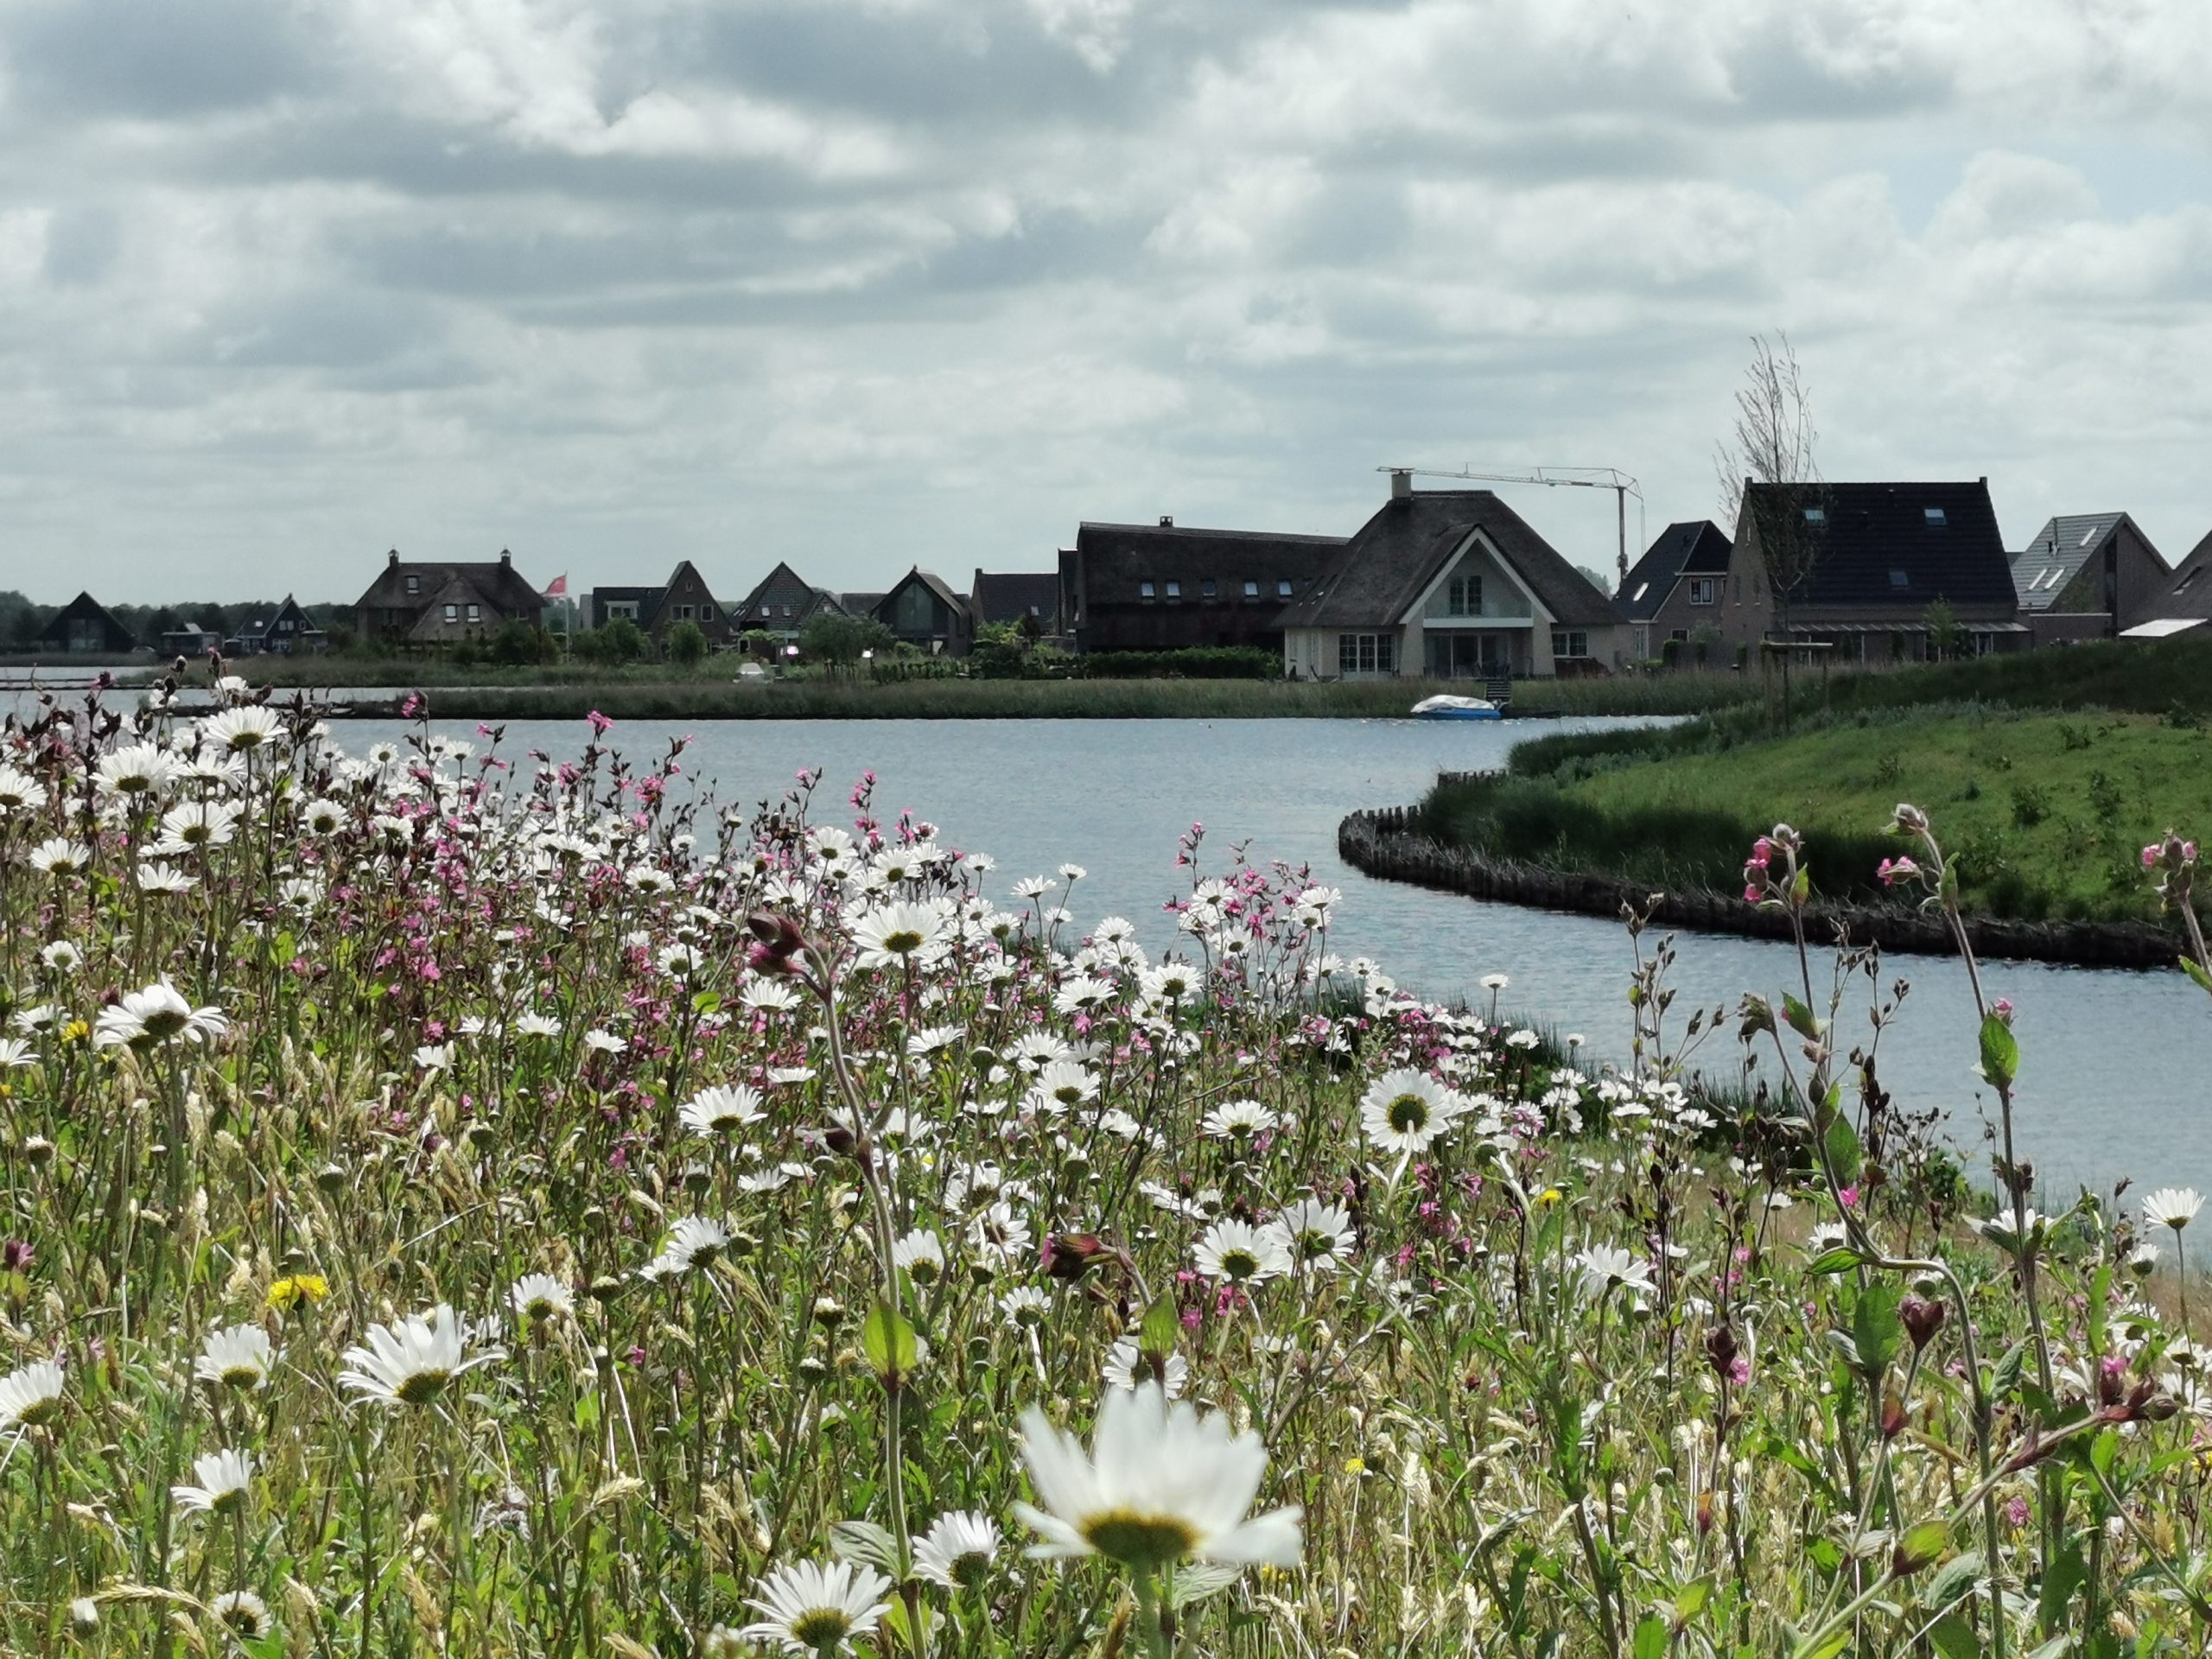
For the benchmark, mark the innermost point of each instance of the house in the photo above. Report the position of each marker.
(1026, 601)
(1165, 587)
(1450, 584)
(2089, 577)
(190, 640)
(2184, 601)
(1879, 556)
(1674, 592)
(858, 604)
(437, 602)
(780, 604)
(290, 632)
(684, 597)
(922, 611)
(84, 626)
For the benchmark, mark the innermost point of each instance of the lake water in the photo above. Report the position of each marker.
(2117, 1065)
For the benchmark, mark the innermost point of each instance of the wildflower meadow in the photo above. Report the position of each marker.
(463, 1201)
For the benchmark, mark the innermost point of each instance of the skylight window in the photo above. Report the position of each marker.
(1899, 579)
(1935, 518)
(1816, 515)
(1641, 588)
(2088, 535)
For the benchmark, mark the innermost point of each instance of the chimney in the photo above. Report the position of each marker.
(1402, 483)
(505, 558)
(1168, 521)
(391, 560)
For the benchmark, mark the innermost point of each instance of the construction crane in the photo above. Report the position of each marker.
(1577, 478)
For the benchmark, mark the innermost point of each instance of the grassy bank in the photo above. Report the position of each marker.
(2046, 812)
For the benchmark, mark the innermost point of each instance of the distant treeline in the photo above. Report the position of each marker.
(22, 620)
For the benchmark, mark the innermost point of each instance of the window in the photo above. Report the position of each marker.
(787, 610)
(1570, 643)
(1703, 590)
(1463, 596)
(1683, 634)
(453, 613)
(1283, 589)
(1899, 579)
(475, 613)
(1367, 653)
(1144, 590)
(2188, 576)
(1206, 587)
(1175, 590)
(684, 613)
(1641, 588)
(1816, 515)
(1935, 518)
(2088, 535)
(414, 584)
(1251, 590)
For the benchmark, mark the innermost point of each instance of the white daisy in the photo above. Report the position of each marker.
(223, 1477)
(1603, 1266)
(236, 1357)
(411, 1363)
(815, 1608)
(692, 1243)
(1128, 1365)
(154, 1015)
(1405, 1111)
(1239, 1120)
(2173, 1206)
(958, 1550)
(1162, 1484)
(897, 933)
(538, 1296)
(244, 1614)
(60, 855)
(920, 1255)
(240, 729)
(31, 1398)
(1241, 1253)
(1316, 1234)
(725, 1110)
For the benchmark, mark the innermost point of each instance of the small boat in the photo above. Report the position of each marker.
(1450, 708)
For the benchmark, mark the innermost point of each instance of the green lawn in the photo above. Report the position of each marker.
(2047, 813)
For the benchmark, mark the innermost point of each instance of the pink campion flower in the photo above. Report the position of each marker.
(599, 724)
(2151, 855)
(1740, 1370)
(2002, 1007)
(1750, 892)
(2016, 1511)
(410, 705)
(1894, 870)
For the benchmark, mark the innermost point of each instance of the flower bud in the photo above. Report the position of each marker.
(1924, 1317)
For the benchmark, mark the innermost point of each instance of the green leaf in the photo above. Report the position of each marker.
(887, 1339)
(1842, 1142)
(2065, 1572)
(864, 1544)
(1163, 1323)
(1841, 1259)
(1690, 1599)
(2000, 1053)
(1827, 1647)
(1921, 1547)
(2103, 1450)
(1801, 1018)
(2007, 1376)
(1652, 1635)
(1955, 1638)
(2196, 971)
(1195, 1581)
(1958, 1578)
(1877, 1330)
(707, 1002)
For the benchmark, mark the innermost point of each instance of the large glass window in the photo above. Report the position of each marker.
(1464, 596)
(1567, 642)
(1367, 653)
(1702, 590)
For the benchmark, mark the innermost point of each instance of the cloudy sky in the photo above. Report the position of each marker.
(860, 284)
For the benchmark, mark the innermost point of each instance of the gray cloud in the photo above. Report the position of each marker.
(863, 281)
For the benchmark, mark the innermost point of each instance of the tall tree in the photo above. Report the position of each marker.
(1767, 464)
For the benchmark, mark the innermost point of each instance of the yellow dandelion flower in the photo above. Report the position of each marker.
(1550, 1195)
(298, 1287)
(1355, 1466)
(75, 1031)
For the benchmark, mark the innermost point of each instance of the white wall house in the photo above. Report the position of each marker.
(1449, 584)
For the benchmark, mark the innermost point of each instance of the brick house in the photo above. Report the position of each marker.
(1016, 598)
(922, 611)
(684, 597)
(1881, 555)
(85, 628)
(1674, 591)
(780, 603)
(1165, 587)
(436, 602)
(2089, 577)
(1449, 584)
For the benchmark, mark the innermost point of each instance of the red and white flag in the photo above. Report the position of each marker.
(559, 586)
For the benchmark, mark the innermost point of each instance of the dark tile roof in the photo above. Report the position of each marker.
(780, 587)
(937, 585)
(860, 604)
(2190, 594)
(1875, 532)
(497, 580)
(1116, 558)
(1392, 559)
(1009, 596)
(2055, 553)
(85, 609)
(1699, 547)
